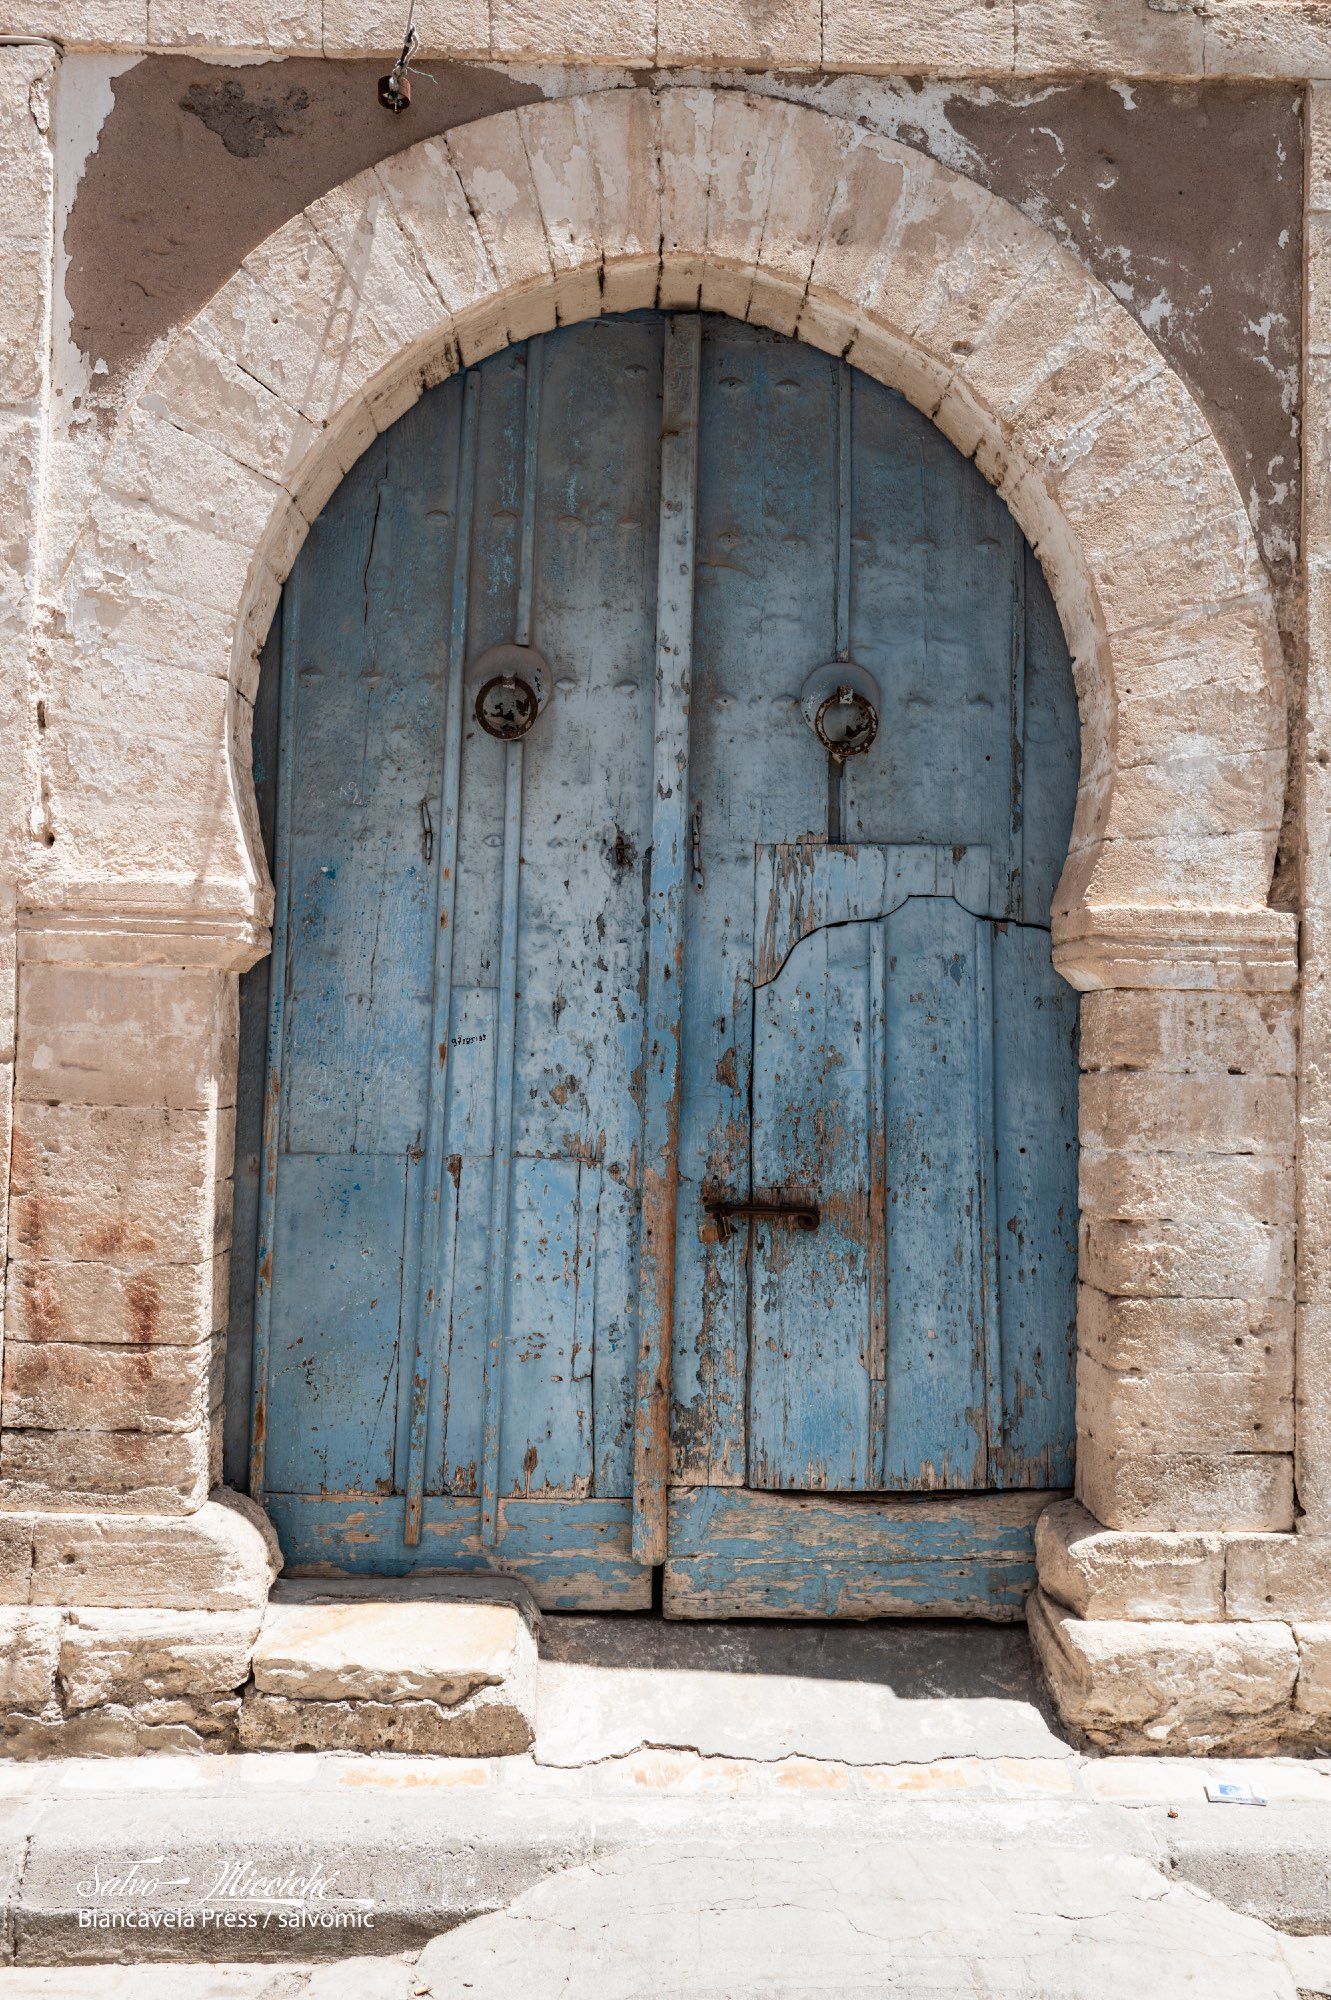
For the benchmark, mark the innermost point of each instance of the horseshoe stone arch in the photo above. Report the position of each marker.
(154, 892)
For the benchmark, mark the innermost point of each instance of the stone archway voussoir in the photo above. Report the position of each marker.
(779, 213)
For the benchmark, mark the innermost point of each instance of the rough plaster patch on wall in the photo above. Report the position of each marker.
(84, 98)
(199, 161)
(1186, 200)
(83, 102)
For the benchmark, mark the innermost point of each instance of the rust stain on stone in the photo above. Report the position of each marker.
(43, 1317)
(21, 1161)
(107, 1240)
(144, 1303)
(196, 163)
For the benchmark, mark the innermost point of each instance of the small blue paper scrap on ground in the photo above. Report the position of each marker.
(1228, 1793)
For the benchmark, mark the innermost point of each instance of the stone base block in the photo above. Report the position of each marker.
(1278, 1576)
(1127, 1573)
(1312, 1697)
(121, 1730)
(1180, 1492)
(92, 1683)
(491, 1723)
(123, 1634)
(222, 1558)
(1169, 1687)
(430, 1665)
(125, 1658)
(29, 1655)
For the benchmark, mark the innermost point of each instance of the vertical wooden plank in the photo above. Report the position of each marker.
(937, 1428)
(373, 581)
(547, 1423)
(665, 931)
(615, 1328)
(250, 1098)
(836, 769)
(810, 1394)
(531, 438)
(582, 943)
(845, 490)
(457, 1416)
(1014, 904)
(496, 1318)
(272, 1093)
(879, 1194)
(369, 695)
(1035, 1091)
(506, 1026)
(492, 594)
(1051, 742)
(337, 1273)
(765, 611)
(423, 1325)
(986, 1170)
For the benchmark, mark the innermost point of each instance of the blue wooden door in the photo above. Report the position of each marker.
(541, 1005)
(868, 1415)
(446, 1213)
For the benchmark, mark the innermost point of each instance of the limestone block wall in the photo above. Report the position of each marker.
(120, 1232)
(1222, 1638)
(1185, 1366)
(26, 253)
(999, 38)
(1186, 1591)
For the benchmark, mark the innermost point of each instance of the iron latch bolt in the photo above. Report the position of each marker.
(784, 1214)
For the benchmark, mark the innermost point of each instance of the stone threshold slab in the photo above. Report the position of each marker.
(444, 1665)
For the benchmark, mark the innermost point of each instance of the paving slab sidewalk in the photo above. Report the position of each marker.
(793, 1920)
(320, 1857)
(802, 1813)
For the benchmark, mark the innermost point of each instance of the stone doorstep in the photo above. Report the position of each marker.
(444, 1665)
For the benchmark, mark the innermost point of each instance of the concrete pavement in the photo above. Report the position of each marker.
(793, 1920)
(709, 1811)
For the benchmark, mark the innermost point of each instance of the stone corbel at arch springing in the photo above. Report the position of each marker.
(622, 199)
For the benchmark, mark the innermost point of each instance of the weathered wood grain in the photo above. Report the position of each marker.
(759, 1555)
(663, 1051)
(573, 1555)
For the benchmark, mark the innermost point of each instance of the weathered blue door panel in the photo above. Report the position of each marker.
(337, 1277)
(764, 613)
(559, 469)
(811, 1363)
(367, 721)
(936, 572)
(765, 1555)
(447, 1298)
(897, 1037)
(1035, 1105)
(938, 1105)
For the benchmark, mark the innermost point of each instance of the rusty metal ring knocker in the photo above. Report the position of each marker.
(846, 723)
(840, 703)
(515, 685)
(506, 707)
